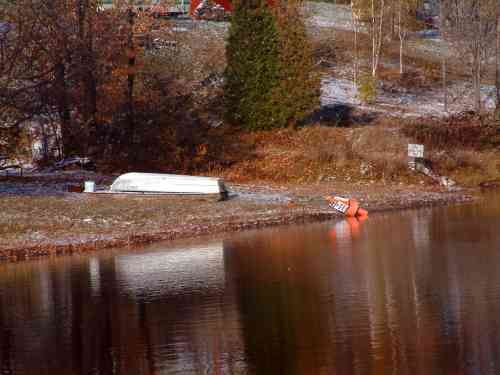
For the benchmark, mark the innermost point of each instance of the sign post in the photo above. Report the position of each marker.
(415, 151)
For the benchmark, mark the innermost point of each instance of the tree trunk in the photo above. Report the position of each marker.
(91, 84)
(68, 142)
(401, 47)
(477, 79)
(497, 58)
(374, 36)
(444, 82)
(86, 12)
(130, 77)
(356, 57)
(380, 35)
(443, 57)
(401, 39)
(393, 23)
(90, 81)
(377, 35)
(477, 56)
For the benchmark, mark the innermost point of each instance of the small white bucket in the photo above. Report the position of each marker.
(89, 187)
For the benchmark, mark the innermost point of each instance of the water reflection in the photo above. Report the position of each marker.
(408, 293)
(142, 313)
(192, 271)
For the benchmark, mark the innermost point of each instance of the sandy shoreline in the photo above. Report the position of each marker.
(73, 223)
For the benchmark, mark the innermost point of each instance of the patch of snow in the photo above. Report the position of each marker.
(339, 16)
(46, 186)
(15, 188)
(180, 29)
(338, 91)
(329, 15)
(428, 34)
(322, 21)
(262, 197)
(341, 91)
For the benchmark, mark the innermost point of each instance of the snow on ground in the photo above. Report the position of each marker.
(341, 91)
(262, 197)
(49, 182)
(338, 91)
(329, 15)
(338, 16)
(33, 188)
(257, 194)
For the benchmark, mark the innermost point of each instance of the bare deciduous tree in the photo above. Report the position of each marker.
(372, 14)
(406, 22)
(470, 28)
(356, 20)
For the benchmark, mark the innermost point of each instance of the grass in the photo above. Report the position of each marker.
(42, 218)
(377, 151)
(317, 153)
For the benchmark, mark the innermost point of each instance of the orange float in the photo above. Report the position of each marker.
(349, 207)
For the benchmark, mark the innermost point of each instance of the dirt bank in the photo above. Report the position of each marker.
(49, 221)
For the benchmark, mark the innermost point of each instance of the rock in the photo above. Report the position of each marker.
(491, 184)
(75, 162)
(446, 182)
(364, 168)
(72, 188)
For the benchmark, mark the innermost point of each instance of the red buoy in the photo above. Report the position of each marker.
(349, 207)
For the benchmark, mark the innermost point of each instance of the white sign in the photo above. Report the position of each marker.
(415, 151)
(339, 206)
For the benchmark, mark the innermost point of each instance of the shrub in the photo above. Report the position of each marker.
(465, 130)
(367, 88)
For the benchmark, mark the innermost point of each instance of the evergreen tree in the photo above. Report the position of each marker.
(270, 80)
(297, 93)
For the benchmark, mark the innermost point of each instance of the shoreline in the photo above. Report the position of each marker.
(296, 209)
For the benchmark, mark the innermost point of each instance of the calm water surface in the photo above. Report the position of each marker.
(416, 292)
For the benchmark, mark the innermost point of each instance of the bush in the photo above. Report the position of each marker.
(466, 130)
(367, 88)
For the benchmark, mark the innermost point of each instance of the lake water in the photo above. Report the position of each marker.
(413, 292)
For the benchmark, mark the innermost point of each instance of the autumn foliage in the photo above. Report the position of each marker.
(88, 72)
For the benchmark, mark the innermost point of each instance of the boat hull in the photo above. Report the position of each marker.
(155, 183)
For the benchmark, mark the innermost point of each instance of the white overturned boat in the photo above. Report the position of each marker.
(158, 184)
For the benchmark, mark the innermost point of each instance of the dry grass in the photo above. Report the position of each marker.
(465, 147)
(47, 219)
(468, 167)
(363, 153)
(320, 153)
(460, 131)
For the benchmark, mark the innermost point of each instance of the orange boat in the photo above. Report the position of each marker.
(349, 207)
